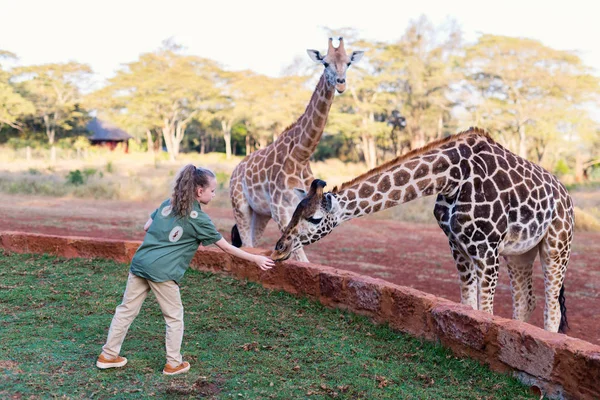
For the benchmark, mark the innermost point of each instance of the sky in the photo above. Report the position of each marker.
(263, 35)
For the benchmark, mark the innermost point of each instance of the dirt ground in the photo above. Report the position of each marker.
(415, 255)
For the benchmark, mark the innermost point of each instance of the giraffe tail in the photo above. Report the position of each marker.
(564, 325)
(236, 239)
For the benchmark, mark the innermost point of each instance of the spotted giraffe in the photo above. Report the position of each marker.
(490, 203)
(263, 185)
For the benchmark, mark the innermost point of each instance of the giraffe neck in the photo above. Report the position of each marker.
(434, 171)
(307, 131)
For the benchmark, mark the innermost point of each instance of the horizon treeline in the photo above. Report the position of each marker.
(537, 101)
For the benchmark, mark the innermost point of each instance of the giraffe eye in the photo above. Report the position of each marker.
(314, 221)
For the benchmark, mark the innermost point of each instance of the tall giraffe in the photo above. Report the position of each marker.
(263, 185)
(490, 203)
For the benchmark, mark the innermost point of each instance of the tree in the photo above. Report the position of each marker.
(420, 70)
(134, 116)
(525, 92)
(353, 114)
(267, 105)
(12, 105)
(413, 75)
(163, 92)
(227, 113)
(580, 143)
(54, 91)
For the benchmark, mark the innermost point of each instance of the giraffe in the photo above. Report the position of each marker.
(490, 203)
(270, 182)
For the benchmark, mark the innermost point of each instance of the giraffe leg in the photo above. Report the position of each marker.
(258, 224)
(467, 276)
(299, 255)
(243, 219)
(555, 256)
(242, 212)
(488, 263)
(478, 271)
(520, 272)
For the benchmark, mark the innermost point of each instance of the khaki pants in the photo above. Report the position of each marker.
(169, 299)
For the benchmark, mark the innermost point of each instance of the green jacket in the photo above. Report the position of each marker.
(171, 242)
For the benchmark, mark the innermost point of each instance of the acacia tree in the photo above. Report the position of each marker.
(425, 65)
(524, 91)
(163, 92)
(413, 75)
(267, 105)
(580, 144)
(13, 106)
(227, 114)
(54, 91)
(353, 114)
(368, 99)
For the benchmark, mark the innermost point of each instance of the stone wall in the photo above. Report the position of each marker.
(561, 366)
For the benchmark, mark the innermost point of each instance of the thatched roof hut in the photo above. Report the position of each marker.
(106, 134)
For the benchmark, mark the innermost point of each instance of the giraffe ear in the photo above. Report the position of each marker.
(301, 193)
(315, 55)
(328, 203)
(356, 56)
(331, 203)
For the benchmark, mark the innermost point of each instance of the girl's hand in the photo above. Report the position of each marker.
(264, 263)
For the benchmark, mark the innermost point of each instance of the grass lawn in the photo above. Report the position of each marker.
(242, 340)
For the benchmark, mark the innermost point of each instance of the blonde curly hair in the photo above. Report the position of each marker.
(187, 182)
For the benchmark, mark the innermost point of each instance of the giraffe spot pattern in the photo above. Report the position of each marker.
(490, 202)
(423, 184)
(422, 171)
(384, 184)
(401, 178)
(366, 191)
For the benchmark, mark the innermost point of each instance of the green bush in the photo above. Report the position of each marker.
(222, 179)
(65, 143)
(75, 178)
(138, 147)
(81, 143)
(594, 173)
(561, 168)
(19, 143)
(87, 172)
(335, 146)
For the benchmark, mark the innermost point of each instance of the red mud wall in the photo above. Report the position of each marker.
(563, 367)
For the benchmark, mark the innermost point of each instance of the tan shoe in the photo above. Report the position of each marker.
(104, 363)
(180, 369)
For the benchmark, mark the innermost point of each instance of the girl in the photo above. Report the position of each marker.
(173, 234)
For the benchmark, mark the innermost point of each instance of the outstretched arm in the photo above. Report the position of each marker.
(264, 263)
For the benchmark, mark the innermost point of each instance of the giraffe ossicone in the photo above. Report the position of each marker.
(490, 203)
(336, 62)
(269, 183)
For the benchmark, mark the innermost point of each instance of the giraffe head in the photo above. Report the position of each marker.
(315, 216)
(336, 63)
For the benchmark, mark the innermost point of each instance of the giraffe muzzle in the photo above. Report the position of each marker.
(279, 256)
